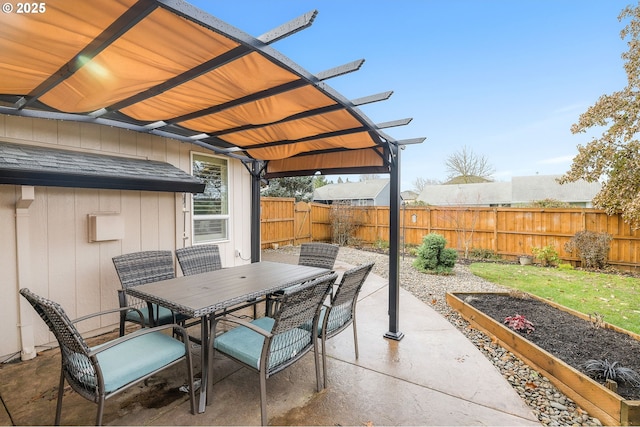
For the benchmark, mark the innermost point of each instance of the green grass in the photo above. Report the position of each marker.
(615, 297)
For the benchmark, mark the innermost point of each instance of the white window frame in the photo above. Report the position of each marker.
(224, 217)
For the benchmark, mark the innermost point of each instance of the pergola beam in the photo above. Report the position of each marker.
(411, 141)
(394, 123)
(289, 28)
(382, 96)
(340, 70)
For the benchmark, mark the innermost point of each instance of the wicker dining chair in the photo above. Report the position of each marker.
(270, 344)
(199, 259)
(139, 268)
(318, 254)
(341, 312)
(202, 259)
(97, 373)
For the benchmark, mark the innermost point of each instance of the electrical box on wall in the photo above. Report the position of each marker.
(105, 226)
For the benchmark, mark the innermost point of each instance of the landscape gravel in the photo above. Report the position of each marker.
(548, 403)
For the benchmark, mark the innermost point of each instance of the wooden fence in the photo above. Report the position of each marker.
(507, 232)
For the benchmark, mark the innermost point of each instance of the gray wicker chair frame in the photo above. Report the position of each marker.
(279, 341)
(341, 313)
(83, 366)
(317, 254)
(139, 268)
(199, 259)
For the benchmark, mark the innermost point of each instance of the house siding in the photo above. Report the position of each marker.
(62, 264)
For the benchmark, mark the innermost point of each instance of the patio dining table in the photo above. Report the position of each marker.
(202, 295)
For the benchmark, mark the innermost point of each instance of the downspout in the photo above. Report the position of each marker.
(394, 245)
(24, 266)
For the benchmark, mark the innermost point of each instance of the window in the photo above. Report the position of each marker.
(211, 208)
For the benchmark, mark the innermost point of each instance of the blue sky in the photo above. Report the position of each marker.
(506, 78)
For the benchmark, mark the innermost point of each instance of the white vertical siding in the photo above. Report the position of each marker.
(66, 267)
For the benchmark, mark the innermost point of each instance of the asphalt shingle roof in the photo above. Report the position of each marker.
(33, 165)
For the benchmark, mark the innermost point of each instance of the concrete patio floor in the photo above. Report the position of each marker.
(433, 376)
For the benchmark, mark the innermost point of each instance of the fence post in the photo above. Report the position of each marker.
(495, 231)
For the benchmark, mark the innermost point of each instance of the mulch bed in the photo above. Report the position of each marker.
(567, 337)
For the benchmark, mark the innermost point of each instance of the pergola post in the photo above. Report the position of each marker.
(255, 211)
(394, 245)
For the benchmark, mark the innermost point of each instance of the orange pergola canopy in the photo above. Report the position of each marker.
(168, 68)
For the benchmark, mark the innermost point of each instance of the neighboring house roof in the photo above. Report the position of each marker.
(486, 193)
(32, 165)
(408, 195)
(471, 179)
(521, 189)
(369, 189)
(539, 187)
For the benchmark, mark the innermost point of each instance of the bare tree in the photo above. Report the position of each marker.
(468, 166)
(369, 176)
(419, 183)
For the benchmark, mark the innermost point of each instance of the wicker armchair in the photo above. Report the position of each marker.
(199, 259)
(139, 268)
(270, 344)
(97, 373)
(341, 313)
(321, 255)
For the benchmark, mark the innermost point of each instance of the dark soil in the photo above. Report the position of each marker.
(567, 337)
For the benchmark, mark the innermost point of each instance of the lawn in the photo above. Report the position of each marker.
(615, 297)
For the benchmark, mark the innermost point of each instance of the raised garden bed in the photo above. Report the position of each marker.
(610, 407)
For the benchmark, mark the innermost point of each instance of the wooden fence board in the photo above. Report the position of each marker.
(508, 232)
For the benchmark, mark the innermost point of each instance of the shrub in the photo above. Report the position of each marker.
(519, 323)
(479, 253)
(344, 224)
(411, 250)
(547, 255)
(592, 248)
(549, 203)
(433, 257)
(605, 370)
(381, 244)
(565, 266)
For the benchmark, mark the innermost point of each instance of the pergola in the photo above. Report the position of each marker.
(167, 68)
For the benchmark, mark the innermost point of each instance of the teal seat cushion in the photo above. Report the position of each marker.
(163, 314)
(337, 317)
(135, 358)
(244, 344)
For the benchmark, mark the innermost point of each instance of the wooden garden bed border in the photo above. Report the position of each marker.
(609, 407)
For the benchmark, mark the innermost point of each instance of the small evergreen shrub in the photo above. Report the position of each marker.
(592, 248)
(433, 257)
